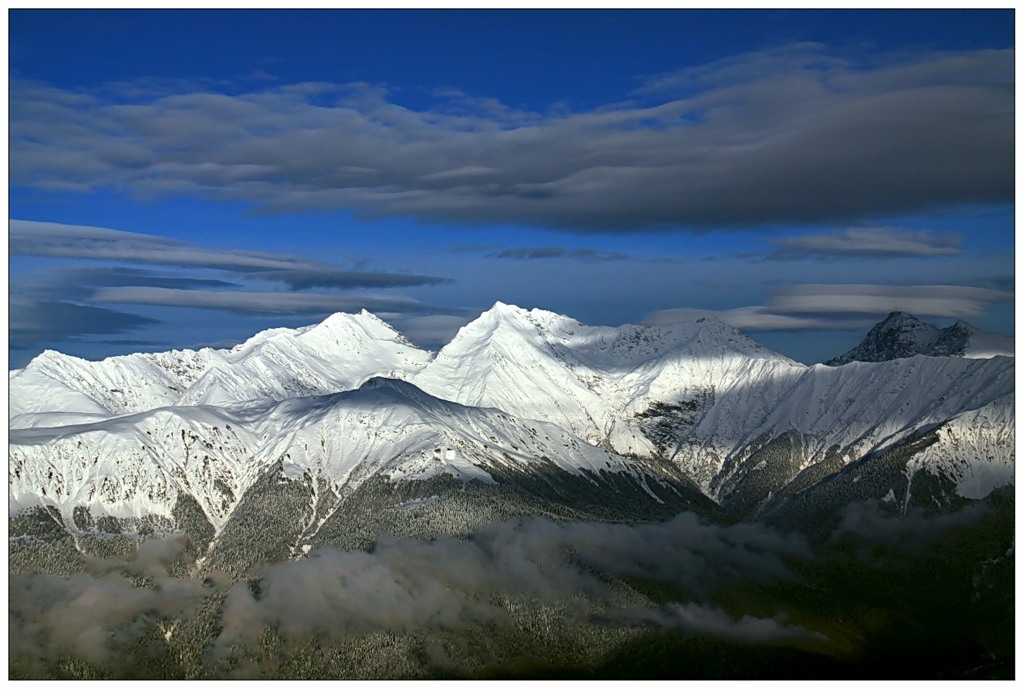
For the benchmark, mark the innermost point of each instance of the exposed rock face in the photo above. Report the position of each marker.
(901, 335)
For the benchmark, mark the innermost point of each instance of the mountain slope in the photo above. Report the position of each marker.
(138, 469)
(835, 416)
(612, 386)
(517, 398)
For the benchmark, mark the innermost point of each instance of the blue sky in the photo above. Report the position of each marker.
(187, 178)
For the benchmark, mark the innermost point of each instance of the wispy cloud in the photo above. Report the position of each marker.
(703, 619)
(561, 253)
(844, 307)
(299, 278)
(954, 301)
(869, 241)
(68, 282)
(251, 303)
(755, 318)
(795, 134)
(32, 321)
(30, 238)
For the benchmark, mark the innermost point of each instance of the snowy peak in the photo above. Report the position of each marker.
(593, 380)
(901, 335)
(337, 330)
(334, 355)
(601, 346)
(963, 339)
(339, 326)
(508, 317)
(397, 391)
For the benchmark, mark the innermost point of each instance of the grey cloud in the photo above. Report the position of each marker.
(869, 241)
(159, 345)
(274, 303)
(843, 307)
(953, 301)
(755, 318)
(305, 279)
(1005, 282)
(30, 238)
(794, 135)
(80, 282)
(865, 525)
(557, 252)
(337, 593)
(33, 321)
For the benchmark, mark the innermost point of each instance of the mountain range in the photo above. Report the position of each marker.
(539, 498)
(346, 419)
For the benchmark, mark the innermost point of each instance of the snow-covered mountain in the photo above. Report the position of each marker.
(902, 335)
(143, 469)
(611, 386)
(330, 427)
(335, 355)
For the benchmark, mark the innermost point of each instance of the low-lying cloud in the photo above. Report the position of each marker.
(702, 619)
(99, 616)
(120, 611)
(407, 585)
(404, 584)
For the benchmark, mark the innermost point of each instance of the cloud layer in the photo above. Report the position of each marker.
(448, 583)
(871, 242)
(60, 304)
(33, 320)
(558, 252)
(793, 134)
(709, 581)
(101, 616)
(30, 238)
(847, 307)
(271, 303)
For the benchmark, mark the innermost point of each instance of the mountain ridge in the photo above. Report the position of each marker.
(902, 335)
(735, 419)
